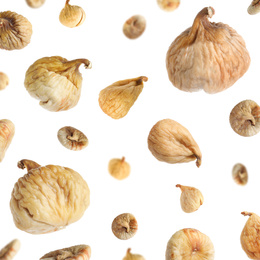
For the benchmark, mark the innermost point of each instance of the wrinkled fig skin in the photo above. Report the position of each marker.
(250, 236)
(189, 244)
(254, 7)
(245, 118)
(134, 26)
(130, 256)
(171, 142)
(10, 250)
(79, 252)
(117, 99)
(168, 5)
(35, 3)
(56, 82)
(4, 80)
(48, 198)
(208, 56)
(119, 168)
(239, 174)
(15, 31)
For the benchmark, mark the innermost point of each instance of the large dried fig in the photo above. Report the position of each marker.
(254, 7)
(171, 142)
(48, 198)
(35, 3)
(208, 56)
(15, 31)
(56, 82)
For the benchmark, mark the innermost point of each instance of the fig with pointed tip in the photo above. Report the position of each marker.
(4, 80)
(254, 7)
(35, 3)
(119, 168)
(208, 56)
(130, 256)
(56, 82)
(10, 250)
(168, 5)
(134, 26)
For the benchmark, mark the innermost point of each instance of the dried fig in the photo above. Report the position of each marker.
(119, 168)
(208, 56)
(134, 26)
(35, 3)
(189, 244)
(239, 174)
(130, 256)
(10, 250)
(168, 5)
(48, 198)
(15, 31)
(171, 142)
(4, 80)
(56, 82)
(117, 99)
(254, 7)
(245, 118)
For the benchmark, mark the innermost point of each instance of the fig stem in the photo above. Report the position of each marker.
(141, 79)
(67, 2)
(128, 251)
(245, 213)
(78, 62)
(123, 159)
(28, 164)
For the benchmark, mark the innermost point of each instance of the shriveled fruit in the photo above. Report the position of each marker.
(4, 80)
(119, 168)
(130, 256)
(254, 7)
(134, 26)
(35, 3)
(168, 5)
(10, 250)
(239, 174)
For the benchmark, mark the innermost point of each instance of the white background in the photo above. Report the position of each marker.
(149, 192)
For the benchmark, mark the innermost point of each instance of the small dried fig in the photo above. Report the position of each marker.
(134, 26)
(35, 3)
(254, 7)
(250, 236)
(117, 99)
(56, 82)
(168, 5)
(189, 244)
(208, 56)
(191, 198)
(15, 31)
(119, 168)
(4, 80)
(10, 250)
(130, 256)
(124, 226)
(171, 142)
(72, 15)
(239, 174)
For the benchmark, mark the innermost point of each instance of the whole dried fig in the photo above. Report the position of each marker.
(254, 7)
(168, 5)
(130, 256)
(134, 26)
(239, 174)
(15, 31)
(48, 198)
(10, 250)
(171, 142)
(56, 82)
(119, 168)
(35, 3)
(208, 56)
(4, 80)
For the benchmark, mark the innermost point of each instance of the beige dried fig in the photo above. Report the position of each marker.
(15, 31)
(48, 198)
(189, 244)
(171, 142)
(117, 99)
(4, 80)
(168, 5)
(191, 198)
(7, 131)
(56, 82)
(72, 15)
(119, 168)
(250, 236)
(134, 26)
(239, 174)
(254, 7)
(10, 250)
(208, 56)
(130, 256)
(35, 3)
(79, 252)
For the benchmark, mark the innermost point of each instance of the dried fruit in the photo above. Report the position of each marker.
(48, 198)
(4, 80)
(189, 244)
(72, 15)
(7, 131)
(119, 168)
(35, 3)
(250, 236)
(245, 118)
(168, 5)
(208, 56)
(130, 256)
(239, 174)
(124, 226)
(79, 252)
(254, 7)
(15, 31)
(191, 198)
(134, 26)
(171, 142)
(117, 99)
(72, 138)
(10, 250)
(56, 82)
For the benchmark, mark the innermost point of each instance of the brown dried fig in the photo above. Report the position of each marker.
(245, 118)
(117, 99)
(168, 5)
(171, 142)
(48, 198)
(239, 174)
(189, 244)
(4, 80)
(254, 7)
(208, 56)
(130, 256)
(56, 82)
(15, 31)
(10, 250)
(134, 26)
(35, 3)
(119, 168)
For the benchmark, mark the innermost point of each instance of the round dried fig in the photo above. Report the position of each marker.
(168, 5)
(134, 26)
(119, 168)
(239, 174)
(4, 80)
(254, 7)
(208, 56)
(48, 198)
(35, 3)
(130, 256)
(15, 31)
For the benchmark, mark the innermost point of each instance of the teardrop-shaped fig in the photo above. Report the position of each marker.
(208, 56)
(35, 3)
(254, 7)
(168, 5)
(56, 82)
(130, 256)
(4, 80)
(119, 168)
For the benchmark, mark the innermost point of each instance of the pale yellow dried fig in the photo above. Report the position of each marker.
(48, 198)
(254, 7)
(171, 142)
(72, 15)
(134, 26)
(56, 82)
(130, 256)
(119, 168)
(15, 31)
(35, 3)
(239, 174)
(245, 118)
(117, 99)
(10, 250)
(250, 236)
(189, 244)
(208, 56)
(168, 5)
(4, 80)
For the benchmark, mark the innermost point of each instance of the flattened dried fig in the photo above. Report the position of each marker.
(239, 174)
(134, 26)
(4, 80)
(254, 7)
(208, 56)
(171, 142)
(168, 5)
(15, 31)
(245, 118)
(130, 256)
(35, 3)
(10, 250)
(56, 82)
